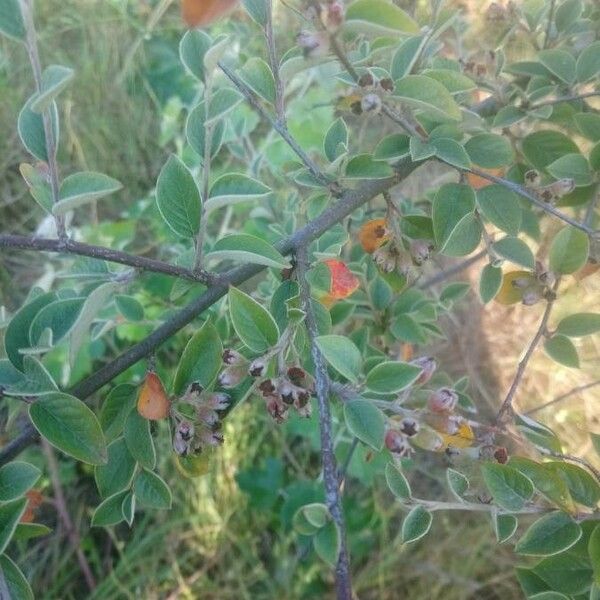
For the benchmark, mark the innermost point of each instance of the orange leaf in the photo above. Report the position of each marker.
(509, 294)
(343, 281)
(34, 501)
(372, 235)
(153, 403)
(477, 182)
(198, 13)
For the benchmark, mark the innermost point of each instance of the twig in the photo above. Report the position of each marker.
(523, 192)
(575, 459)
(69, 246)
(277, 125)
(36, 67)
(507, 406)
(349, 201)
(63, 513)
(554, 101)
(453, 270)
(549, 24)
(330, 474)
(573, 392)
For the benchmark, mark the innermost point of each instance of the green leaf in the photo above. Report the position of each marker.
(567, 15)
(36, 380)
(28, 531)
(594, 552)
(500, 207)
(342, 354)
(490, 151)
(195, 131)
(55, 79)
(10, 513)
(192, 48)
(31, 129)
(379, 17)
(335, 143)
(416, 525)
(327, 543)
(490, 283)
(214, 54)
(363, 166)
(553, 533)
(257, 75)
(559, 63)
(233, 188)
(420, 150)
(11, 20)
(59, 317)
(82, 188)
(16, 336)
(16, 584)
(451, 152)
(579, 325)
(316, 514)
(258, 10)
(516, 251)
(457, 483)
(366, 422)
(139, 439)
(428, 95)
(253, 323)
(116, 408)
(129, 307)
(561, 349)
(568, 572)
(392, 147)
(454, 81)
(507, 116)
(571, 166)
(397, 482)
(452, 203)
(245, 248)
(542, 148)
(569, 250)
(509, 488)
(201, 360)
(109, 511)
(67, 423)
(223, 101)
(117, 474)
(464, 238)
(505, 527)
(16, 478)
(583, 486)
(541, 436)
(178, 198)
(128, 508)
(38, 184)
(588, 65)
(93, 304)
(405, 56)
(391, 377)
(152, 491)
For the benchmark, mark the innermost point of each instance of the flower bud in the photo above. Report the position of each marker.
(366, 80)
(277, 409)
(296, 375)
(232, 376)
(385, 259)
(443, 400)
(428, 364)
(313, 44)
(409, 426)
(501, 455)
(531, 296)
(397, 443)
(332, 15)
(207, 415)
(257, 367)
(420, 251)
(267, 388)
(387, 84)
(218, 401)
(371, 103)
(233, 357)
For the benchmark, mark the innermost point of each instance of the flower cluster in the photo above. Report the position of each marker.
(291, 386)
(533, 289)
(199, 426)
(404, 258)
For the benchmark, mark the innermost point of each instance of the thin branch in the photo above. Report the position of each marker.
(69, 246)
(569, 98)
(349, 202)
(523, 192)
(281, 128)
(569, 394)
(575, 459)
(330, 475)
(443, 275)
(51, 149)
(65, 517)
(507, 406)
